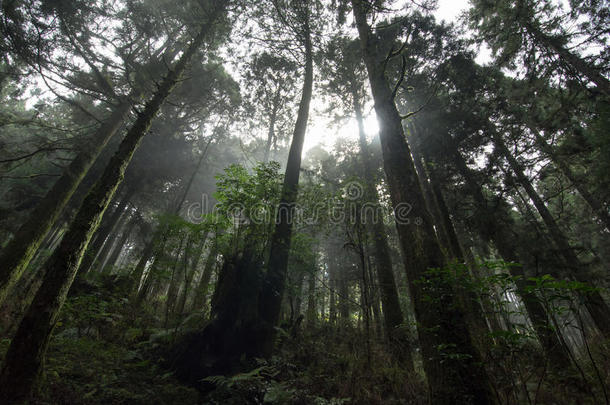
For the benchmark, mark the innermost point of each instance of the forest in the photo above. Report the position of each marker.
(304, 202)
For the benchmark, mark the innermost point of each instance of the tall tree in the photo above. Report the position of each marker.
(275, 278)
(441, 321)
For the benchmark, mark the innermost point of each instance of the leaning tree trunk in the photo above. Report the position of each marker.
(392, 313)
(456, 375)
(475, 315)
(594, 302)
(24, 359)
(275, 279)
(19, 251)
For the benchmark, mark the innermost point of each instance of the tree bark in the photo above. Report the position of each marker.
(24, 359)
(475, 316)
(441, 321)
(174, 282)
(311, 314)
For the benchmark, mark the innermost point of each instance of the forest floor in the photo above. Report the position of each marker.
(107, 351)
(104, 351)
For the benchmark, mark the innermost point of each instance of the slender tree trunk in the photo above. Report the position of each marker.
(147, 253)
(18, 253)
(189, 275)
(374, 298)
(110, 243)
(441, 320)
(475, 316)
(174, 282)
(311, 314)
(272, 120)
(206, 275)
(275, 279)
(463, 257)
(594, 302)
(392, 313)
(118, 248)
(24, 359)
(332, 305)
(343, 298)
(160, 233)
(365, 303)
(153, 272)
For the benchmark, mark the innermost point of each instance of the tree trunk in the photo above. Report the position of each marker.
(594, 302)
(110, 243)
(174, 282)
(332, 304)
(275, 278)
(343, 298)
(206, 275)
(159, 234)
(441, 321)
(311, 314)
(19, 251)
(475, 316)
(272, 119)
(190, 275)
(392, 313)
(147, 253)
(24, 359)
